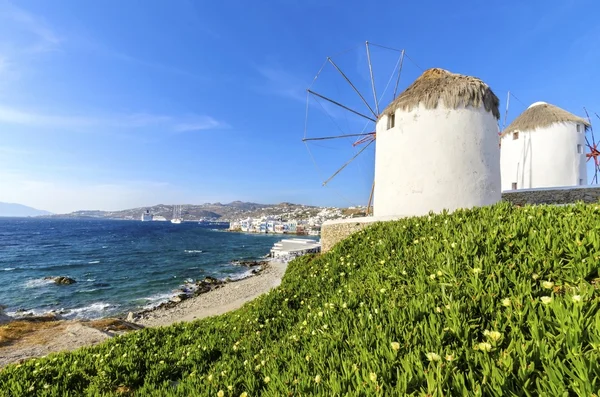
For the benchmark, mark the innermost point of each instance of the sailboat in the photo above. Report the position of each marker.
(177, 218)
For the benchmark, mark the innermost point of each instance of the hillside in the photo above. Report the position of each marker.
(217, 211)
(491, 301)
(19, 210)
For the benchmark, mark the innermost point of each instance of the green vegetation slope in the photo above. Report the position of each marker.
(490, 301)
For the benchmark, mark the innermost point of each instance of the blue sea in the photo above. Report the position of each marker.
(119, 266)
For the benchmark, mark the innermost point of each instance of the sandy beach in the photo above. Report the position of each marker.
(228, 297)
(42, 338)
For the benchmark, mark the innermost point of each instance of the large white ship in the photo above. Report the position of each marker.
(177, 218)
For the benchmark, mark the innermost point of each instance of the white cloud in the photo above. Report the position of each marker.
(33, 118)
(45, 39)
(282, 83)
(201, 123)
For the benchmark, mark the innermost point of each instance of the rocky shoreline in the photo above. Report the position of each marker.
(41, 335)
(189, 290)
(197, 288)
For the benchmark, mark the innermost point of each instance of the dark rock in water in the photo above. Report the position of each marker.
(210, 280)
(179, 298)
(249, 263)
(62, 280)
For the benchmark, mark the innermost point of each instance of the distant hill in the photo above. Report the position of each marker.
(19, 210)
(211, 211)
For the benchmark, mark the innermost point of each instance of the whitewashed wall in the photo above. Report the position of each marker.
(436, 159)
(545, 157)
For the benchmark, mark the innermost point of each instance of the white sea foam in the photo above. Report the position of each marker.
(8, 269)
(192, 251)
(95, 310)
(241, 276)
(37, 282)
(93, 262)
(157, 299)
(34, 312)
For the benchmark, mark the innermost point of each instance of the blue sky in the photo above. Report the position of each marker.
(117, 104)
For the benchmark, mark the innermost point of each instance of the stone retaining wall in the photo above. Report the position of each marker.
(563, 195)
(333, 232)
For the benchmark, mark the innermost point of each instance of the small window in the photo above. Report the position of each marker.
(580, 181)
(391, 120)
(515, 135)
(579, 149)
(578, 128)
(514, 186)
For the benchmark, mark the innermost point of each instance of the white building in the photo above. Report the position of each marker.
(437, 147)
(295, 247)
(543, 147)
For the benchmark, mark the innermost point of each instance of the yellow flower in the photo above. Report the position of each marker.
(382, 290)
(320, 314)
(548, 284)
(506, 302)
(395, 346)
(477, 270)
(546, 299)
(209, 377)
(439, 273)
(267, 379)
(433, 356)
(318, 379)
(493, 335)
(453, 245)
(576, 298)
(438, 309)
(449, 357)
(373, 377)
(432, 276)
(307, 357)
(535, 276)
(244, 394)
(220, 393)
(484, 346)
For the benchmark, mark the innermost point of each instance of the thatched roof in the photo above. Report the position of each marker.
(540, 115)
(455, 90)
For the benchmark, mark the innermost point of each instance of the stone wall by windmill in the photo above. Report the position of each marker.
(333, 232)
(560, 195)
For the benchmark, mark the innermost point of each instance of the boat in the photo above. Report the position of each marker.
(177, 218)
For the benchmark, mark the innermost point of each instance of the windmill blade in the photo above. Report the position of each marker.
(342, 106)
(347, 163)
(352, 85)
(335, 137)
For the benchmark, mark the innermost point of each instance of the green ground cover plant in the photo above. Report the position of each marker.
(490, 301)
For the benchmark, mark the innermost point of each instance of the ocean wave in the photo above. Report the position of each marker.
(156, 299)
(38, 282)
(93, 262)
(87, 291)
(95, 310)
(193, 251)
(91, 280)
(240, 276)
(62, 266)
(8, 269)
